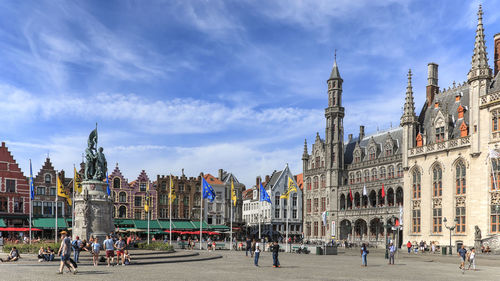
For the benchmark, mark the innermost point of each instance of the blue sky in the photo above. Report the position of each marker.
(203, 85)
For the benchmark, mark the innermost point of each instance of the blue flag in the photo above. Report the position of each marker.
(32, 188)
(263, 194)
(107, 184)
(208, 191)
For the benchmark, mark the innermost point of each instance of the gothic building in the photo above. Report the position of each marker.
(438, 170)
(450, 179)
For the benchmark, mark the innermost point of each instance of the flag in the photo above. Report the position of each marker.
(397, 222)
(171, 194)
(263, 194)
(208, 191)
(77, 178)
(146, 204)
(323, 216)
(233, 193)
(108, 190)
(383, 191)
(32, 187)
(364, 191)
(350, 194)
(291, 188)
(61, 191)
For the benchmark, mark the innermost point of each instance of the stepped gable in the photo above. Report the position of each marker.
(10, 169)
(143, 177)
(117, 173)
(446, 105)
(379, 138)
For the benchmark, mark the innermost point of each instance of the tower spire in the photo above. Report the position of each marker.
(305, 147)
(335, 70)
(479, 61)
(409, 107)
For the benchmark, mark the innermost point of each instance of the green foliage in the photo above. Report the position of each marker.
(158, 246)
(31, 249)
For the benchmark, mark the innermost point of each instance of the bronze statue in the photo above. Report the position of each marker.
(101, 165)
(95, 165)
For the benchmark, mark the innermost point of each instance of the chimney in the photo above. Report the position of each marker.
(257, 181)
(349, 138)
(3, 144)
(267, 178)
(221, 171)
(432, 82)
(361, 132)
(496, 45)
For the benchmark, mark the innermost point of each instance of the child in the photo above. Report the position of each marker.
(96, 247)
(127, 257)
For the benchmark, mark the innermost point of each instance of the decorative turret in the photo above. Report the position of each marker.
(409, 115)
(479, 65)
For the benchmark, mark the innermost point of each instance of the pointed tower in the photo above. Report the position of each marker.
(479, 79)
(334, 115)
(408, 122)
(305, 156)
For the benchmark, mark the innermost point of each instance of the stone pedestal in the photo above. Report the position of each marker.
(93, 211)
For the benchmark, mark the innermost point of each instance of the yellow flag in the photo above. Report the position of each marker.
(78, 181)
(171, 194)
(233, 193)
(146, 203)
(291, 188)
(62, 192)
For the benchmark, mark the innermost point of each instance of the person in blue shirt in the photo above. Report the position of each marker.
(462, 252)
(392, 251)
(364, 253)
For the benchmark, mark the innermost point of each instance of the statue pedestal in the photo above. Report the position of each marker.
(477, 244)
(93, 211)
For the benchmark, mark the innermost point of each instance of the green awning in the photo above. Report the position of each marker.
(219, 227)
(165, 224)
(2, 223)
(183, 225)
(196, 224)
(124, 222)
(49, 223)
(143, 224)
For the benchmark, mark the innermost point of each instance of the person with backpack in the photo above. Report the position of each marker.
(364, 253)
(77, 247)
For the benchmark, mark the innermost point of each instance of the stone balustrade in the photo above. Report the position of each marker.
(441, 146)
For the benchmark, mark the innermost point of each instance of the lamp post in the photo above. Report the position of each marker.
(451, 228)
(387, 226)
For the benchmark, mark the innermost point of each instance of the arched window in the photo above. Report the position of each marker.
(122, 197)
(357, 200)
(381, 199)
(367, 176)
(460, 178)
(116, 183)
(323, 181)
(308, 183)
(342, 202)
(390, 197)
(400, 170)
(373, 198)
(351, 178)
(437, 181)
(495, 175)
(317, 162)
(48, 179)
(122, 212)
(315, 183)
(374, 174)
(416, 188)
(391, 172)
(399, 196)
(372, 153)
(358, 176)
(382, 173)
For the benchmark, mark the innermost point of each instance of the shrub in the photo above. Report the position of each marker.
(31, 249)
(158, 246)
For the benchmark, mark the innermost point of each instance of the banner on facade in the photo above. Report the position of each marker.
(333, 228)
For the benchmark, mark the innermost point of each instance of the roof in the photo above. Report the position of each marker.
(274, 178)
(495, 84)
(300, 181)
(379, 138)
(211, 179)
(247, 194)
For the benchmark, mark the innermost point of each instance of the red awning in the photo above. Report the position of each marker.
(18, 229)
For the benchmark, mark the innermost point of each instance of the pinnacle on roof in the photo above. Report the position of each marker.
(480, 56)
(335, 71)
(409, 107)
(305, 146)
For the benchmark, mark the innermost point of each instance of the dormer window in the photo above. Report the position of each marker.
(460, 112)
(419, 140)
(357, 157)
(440, 134)
(372, 153)
(388, 150)
(464, 130)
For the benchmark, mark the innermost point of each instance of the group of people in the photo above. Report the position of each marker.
(255, 247)
(45, 254)
(467, 257)
(109, 246)
(421, 246)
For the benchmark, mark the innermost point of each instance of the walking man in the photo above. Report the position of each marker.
(77, 247)
(110, 250)
(257, 253)
(392, 251)
(408, 245)
(275, 249)
(462, 252)
(364, 253)
(65, 253)
(120, 248)
(248, 246)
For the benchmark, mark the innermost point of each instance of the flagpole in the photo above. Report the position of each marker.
(73, 203)
(170, 209)
(201, 209)
(287, 215)
(31, 195)
(231, 217)
(57, 190)
(148, 221)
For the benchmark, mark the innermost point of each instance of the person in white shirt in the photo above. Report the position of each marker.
(472, 259)
(257, 253)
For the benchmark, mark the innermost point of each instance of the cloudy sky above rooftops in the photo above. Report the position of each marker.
(203, 85)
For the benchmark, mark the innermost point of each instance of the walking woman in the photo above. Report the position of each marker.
(364, 253)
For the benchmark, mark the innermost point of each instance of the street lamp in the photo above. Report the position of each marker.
(451, 228)
(387, 226)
